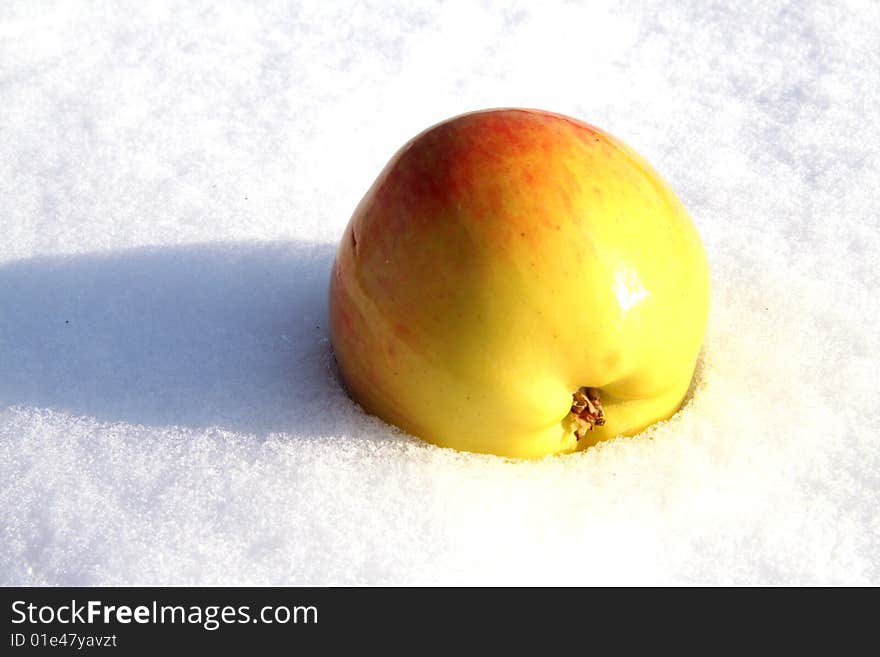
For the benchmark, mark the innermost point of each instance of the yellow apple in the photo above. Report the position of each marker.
(517, 282)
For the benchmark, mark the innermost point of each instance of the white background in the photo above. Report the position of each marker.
(174, 177)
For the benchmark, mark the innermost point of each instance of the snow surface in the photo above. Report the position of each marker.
(173, 178)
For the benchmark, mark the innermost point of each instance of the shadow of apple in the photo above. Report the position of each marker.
(225, 334)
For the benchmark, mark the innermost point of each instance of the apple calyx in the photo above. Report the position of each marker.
(586, 409)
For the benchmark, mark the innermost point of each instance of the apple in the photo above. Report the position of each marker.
(520, 283)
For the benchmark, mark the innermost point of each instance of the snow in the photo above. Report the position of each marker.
(174, 177)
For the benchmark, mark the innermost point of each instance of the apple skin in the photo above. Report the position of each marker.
(502, 260)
